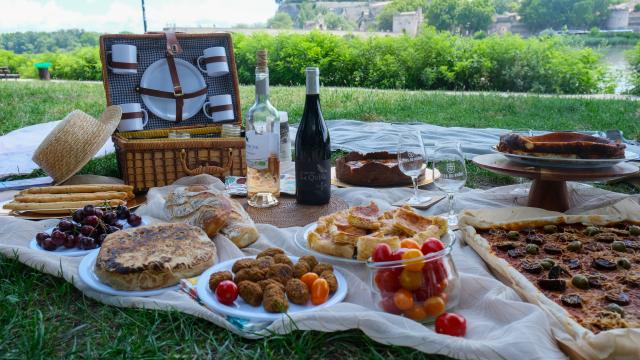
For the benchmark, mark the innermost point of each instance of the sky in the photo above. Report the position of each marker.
(126, 15)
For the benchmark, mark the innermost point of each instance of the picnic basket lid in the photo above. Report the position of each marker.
(74, 141)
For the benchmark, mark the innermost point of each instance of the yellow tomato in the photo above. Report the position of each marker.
(309, 278)
(434, 306)
(319, 291)
(416, 313)
(415, 265)
(403, 299)
(409, 244)
(410, 280)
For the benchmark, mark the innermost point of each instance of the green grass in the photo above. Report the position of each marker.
(42, 316)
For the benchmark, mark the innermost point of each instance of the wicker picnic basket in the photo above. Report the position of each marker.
(149, 158)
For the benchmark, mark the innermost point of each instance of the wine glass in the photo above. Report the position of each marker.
(449, 161)
(412, 161)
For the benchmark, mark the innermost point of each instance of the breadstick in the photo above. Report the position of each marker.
(48, 198)
(66, 189)
(59, 205)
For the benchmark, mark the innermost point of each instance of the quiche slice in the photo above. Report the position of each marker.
(365, 217)
(411, 223)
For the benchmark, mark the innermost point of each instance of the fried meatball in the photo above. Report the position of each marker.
(331, 280)
(264, 283)
(252, 274)
(270, 252)
(280, 273)
(310, 260)
(218, 277)
(250, 292)
(275, 300)
(264, 262)
(297, 292)
(322, 267)
(300, 269)
(243, 264)
(282, 259)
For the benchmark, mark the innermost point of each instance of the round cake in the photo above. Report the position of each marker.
(154, 256)
(372, 169)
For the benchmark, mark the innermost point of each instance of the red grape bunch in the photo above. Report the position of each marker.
(87, 228)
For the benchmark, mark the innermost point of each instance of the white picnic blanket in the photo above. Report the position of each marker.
(500, 325)
(17, 147)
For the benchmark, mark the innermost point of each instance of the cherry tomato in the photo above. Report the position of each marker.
(409, 244)
(434, 306)
(388, 305)
(441, 287)
(227, 292)
(309, 278)
(423, 293)
(387, 280)
(403, 299)
(382, 252)
(397, 255)
(416, 313)
(410, 280)
(451, 324)
(434, 271)
(415, 265)
(431, 245)
(319, 291)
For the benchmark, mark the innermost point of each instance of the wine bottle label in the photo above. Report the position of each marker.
(260, 147)
(313, 181)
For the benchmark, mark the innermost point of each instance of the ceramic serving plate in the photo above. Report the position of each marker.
(157, 77)
(242, 310)
(87, 274)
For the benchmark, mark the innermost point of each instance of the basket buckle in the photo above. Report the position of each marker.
(177, 91)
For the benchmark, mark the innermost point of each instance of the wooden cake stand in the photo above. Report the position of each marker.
(549, 187)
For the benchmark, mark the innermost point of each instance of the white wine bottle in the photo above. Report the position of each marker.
(313, 148)
(263, 142)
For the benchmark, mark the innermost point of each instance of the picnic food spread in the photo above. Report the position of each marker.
(355, 232)
(589, 270)
(62, 199)
(154, 256)
(562, 144)
(272, 280)
(371, 169)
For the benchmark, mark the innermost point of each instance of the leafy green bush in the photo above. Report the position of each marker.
(432, 60)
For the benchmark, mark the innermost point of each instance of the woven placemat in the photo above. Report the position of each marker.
(289, 213)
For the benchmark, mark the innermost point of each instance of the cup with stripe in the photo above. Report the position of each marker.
(219, 108)
(134, 117)
(123, 59)
(214, 60)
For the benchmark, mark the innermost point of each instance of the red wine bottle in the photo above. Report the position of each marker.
(313, 148)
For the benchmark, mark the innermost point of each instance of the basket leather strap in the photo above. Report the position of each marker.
(168, 94)
(177, 88)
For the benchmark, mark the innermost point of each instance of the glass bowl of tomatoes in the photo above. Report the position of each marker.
(418, 281)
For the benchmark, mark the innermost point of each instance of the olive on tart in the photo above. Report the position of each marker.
(561, 145)
(371, 169)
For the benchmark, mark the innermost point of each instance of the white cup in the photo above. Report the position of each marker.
(215, 59)
(123, 59)
(132, 117)
(221, 108)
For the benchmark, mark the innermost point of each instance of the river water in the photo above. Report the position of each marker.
(618, 68)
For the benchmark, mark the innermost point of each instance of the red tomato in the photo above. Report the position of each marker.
(416, 265)
(397, 255)
(227, 292)
(388, 305)
(451, 324)
(431, 245)
(410, 280)
(387, 280)
(423, 293)
(434, 271)
(382, 252)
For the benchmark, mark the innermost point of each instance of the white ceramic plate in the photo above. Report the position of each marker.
(242, 310)
(62, 251)
(303, 234)
(157, 77)
(87, 274)
(567, 163)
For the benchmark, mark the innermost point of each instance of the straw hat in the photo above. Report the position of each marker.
(74, 141)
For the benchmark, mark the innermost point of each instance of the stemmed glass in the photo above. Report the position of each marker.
(449, 161)
(412, 161)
